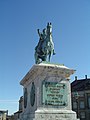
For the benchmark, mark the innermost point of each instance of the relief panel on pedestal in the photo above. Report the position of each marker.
(54, 93)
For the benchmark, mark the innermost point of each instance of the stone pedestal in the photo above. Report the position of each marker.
(47, 94)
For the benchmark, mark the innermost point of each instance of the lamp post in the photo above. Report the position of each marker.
(76, 95)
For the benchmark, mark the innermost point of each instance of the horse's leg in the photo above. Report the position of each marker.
(37, 60)
(49, 56)
(54, 52)
(44, 58)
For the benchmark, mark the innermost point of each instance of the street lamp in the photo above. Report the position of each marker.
(76, 95)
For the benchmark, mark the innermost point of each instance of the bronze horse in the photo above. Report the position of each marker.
(45, 47)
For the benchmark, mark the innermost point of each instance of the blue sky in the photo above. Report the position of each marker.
(19, 21)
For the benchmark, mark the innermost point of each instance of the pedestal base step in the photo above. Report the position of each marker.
(55, 115)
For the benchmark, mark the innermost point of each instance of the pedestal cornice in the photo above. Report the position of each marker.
(42, 68)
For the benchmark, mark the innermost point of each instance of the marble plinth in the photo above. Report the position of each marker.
(47, 93)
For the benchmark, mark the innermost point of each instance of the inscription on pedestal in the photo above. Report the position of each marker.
(54, 93)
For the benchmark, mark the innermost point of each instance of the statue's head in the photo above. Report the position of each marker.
(44, 31)
(41, 35)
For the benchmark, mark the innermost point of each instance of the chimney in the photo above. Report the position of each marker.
(75, 77)
(86, 77)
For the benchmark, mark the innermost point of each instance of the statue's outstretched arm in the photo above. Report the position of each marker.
(38, 32)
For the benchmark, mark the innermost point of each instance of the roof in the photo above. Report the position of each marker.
(3, 111)
(80, 85)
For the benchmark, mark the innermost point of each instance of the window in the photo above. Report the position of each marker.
(82, 105)
(89, 102)
(0, 116)
(82, 115)
(74, 105)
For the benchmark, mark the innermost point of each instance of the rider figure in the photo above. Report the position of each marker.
(41, 40)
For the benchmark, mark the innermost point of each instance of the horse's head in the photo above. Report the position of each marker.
(49, 28)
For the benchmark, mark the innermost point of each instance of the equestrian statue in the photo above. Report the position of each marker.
(45, 47)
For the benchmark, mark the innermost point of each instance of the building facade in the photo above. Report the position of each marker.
(18, 113)
(81, 97)
(3, 114)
